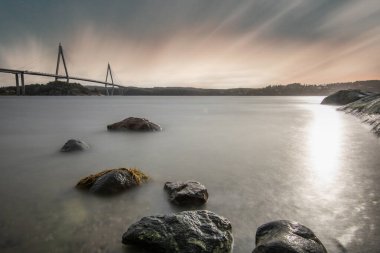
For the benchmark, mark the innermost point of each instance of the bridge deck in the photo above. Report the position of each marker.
(33, 73)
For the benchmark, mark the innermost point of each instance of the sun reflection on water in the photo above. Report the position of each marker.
(325, 146)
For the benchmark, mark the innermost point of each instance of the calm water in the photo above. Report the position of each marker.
(261, 158)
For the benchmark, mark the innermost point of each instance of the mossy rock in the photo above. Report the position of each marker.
(112, 181)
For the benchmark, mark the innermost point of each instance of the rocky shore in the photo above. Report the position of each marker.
(367, 109)
(365, 105)
(344, 97)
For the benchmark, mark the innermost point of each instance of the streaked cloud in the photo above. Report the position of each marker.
(201, 43)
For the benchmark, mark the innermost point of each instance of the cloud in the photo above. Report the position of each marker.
(197, 43)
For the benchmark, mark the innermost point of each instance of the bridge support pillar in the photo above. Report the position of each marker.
(107, 93)
(17, 85)
(22, 84)
(60, 55)
(109, 72)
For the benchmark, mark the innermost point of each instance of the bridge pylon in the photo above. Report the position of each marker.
(19, 75)
(60, 55)
(109, 73)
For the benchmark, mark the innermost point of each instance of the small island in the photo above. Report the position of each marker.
(55, 88)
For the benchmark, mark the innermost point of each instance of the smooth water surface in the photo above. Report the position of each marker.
(261, 158)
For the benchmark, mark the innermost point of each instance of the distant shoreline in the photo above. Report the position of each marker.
(58, 88)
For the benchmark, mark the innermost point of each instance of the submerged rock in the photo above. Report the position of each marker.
(344, 97)
(284, 236)
(185, 232)
(367, 109)
(74, 145)
(186, 193)
(135, 124)
(112, 181)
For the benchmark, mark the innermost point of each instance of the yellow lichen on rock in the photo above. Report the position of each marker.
(137, 175)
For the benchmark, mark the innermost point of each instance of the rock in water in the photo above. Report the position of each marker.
(344, 97)
(286, 237)
(186, 193)
(112, 181)
(74, 145)
(185, 232)
(135, 124)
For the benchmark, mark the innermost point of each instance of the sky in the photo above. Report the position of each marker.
(198, 43)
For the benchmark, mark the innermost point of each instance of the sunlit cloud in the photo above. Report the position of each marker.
(201, 43)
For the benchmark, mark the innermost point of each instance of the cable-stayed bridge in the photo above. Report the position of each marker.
(20, 76)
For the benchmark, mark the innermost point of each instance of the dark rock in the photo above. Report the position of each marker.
(74, 145)
(112, 181)
(286, 237)
(185, 232)
(135, 124)
(186, 193)
(344, 97)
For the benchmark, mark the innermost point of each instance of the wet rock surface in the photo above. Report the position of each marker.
(367, 109)
(185, 232)
(112, 181)
(134, 124)
(284, 236)
(367, 105)
(344, 97)
(186, 193)
(74, 145)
